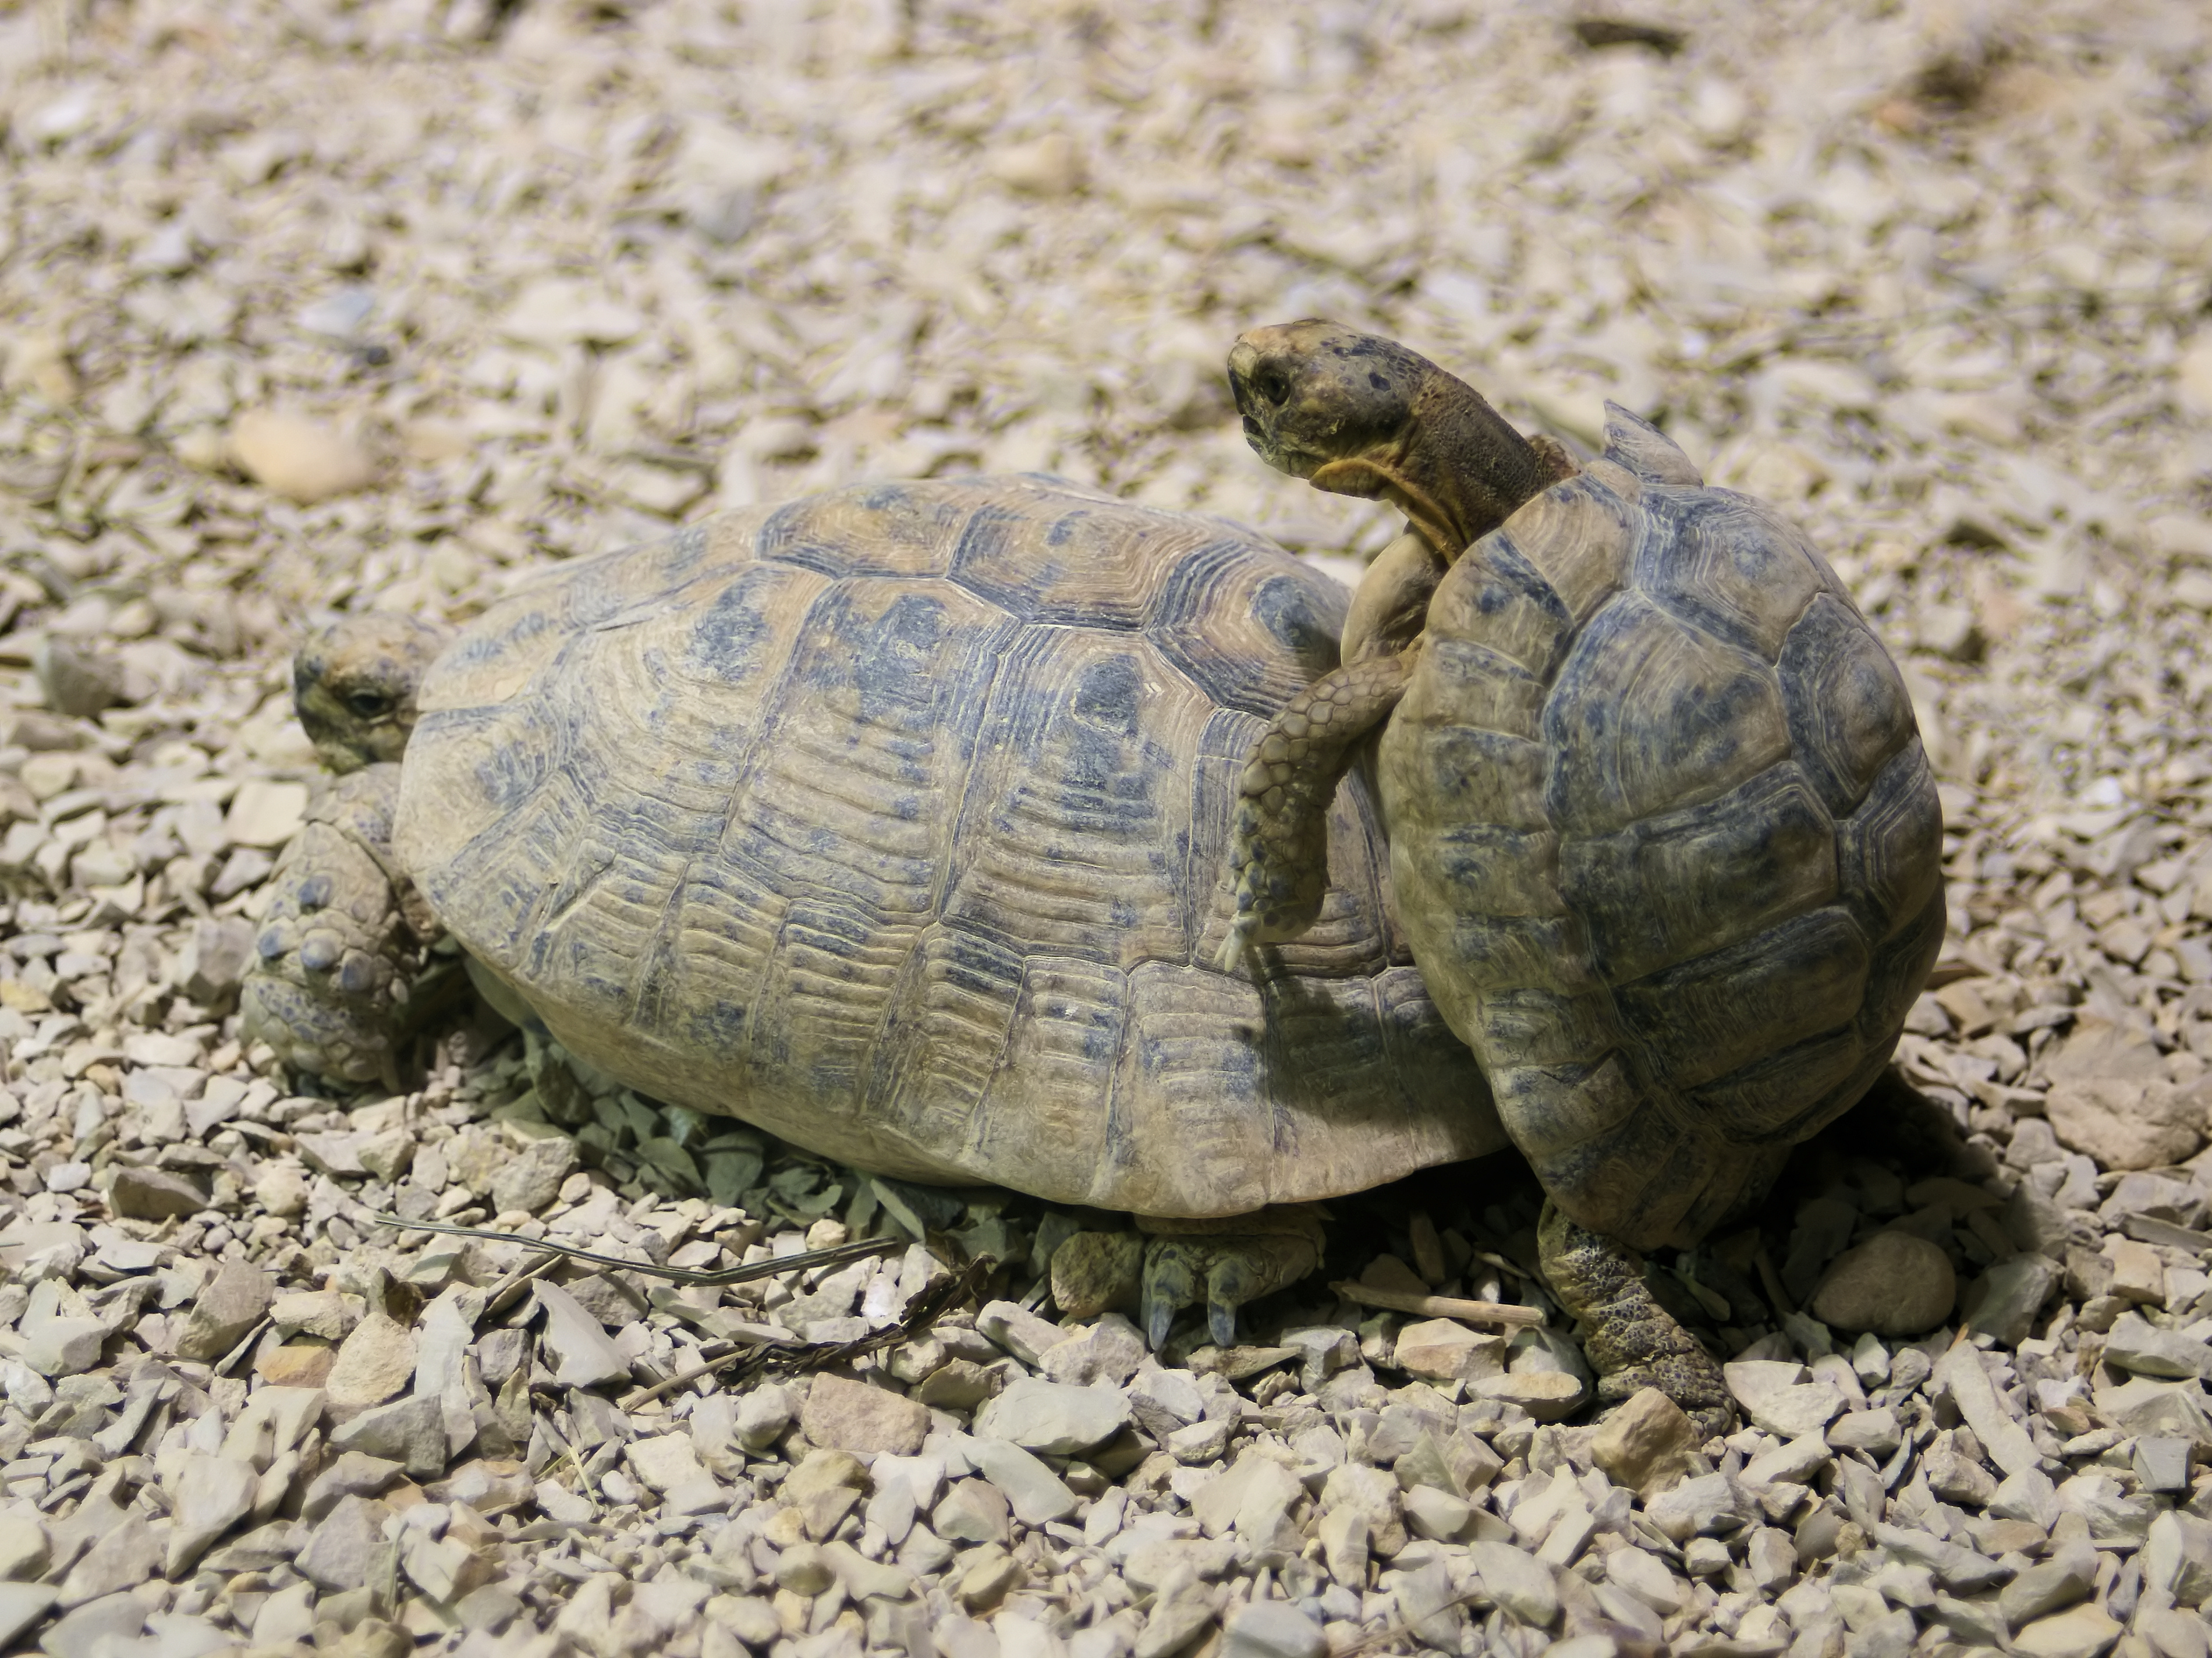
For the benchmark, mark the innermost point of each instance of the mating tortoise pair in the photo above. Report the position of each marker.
(927, 825)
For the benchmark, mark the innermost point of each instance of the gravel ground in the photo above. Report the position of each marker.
(311, 307)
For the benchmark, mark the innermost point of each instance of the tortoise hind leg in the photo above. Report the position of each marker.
(1278, 849)
(1632, 1342)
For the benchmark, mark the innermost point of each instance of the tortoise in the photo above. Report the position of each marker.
(892, 820)
(1662, 829)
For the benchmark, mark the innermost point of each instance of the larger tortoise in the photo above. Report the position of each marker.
(1661, 825)
(893, 821)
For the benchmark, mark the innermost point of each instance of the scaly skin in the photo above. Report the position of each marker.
(342, 937)
(1279, 851)
(1633, 1342)
(1357, 416)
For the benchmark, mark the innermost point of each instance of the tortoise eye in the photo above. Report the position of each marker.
(369, 705)
(1273, 384)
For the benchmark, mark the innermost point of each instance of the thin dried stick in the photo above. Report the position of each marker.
(728, 1275)
(1472, 1312)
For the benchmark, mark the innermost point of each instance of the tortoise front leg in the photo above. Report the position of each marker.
(1279, 851)
(340, 940)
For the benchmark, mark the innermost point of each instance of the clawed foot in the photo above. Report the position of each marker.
(1218, 1264)
(1632, 1342)
(1223, 1264)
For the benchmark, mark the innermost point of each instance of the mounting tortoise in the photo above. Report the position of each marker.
(893, 821)
(1661, 826)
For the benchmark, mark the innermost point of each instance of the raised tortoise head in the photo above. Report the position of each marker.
(1358, 415)
(354, 685)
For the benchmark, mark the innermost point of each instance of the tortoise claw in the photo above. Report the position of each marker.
(1159, 1319)
(1221, 1322)
(1223, 1266)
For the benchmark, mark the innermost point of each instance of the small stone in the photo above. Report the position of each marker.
(1643, 1575)
(78, 681)
(306, 1366)
(1702, 1507)
(2127, 1122)
(1646, 1442)
(330, 1314)
(1051, 1417)
(1794, 1462)
(582, 1353)
(233, 1301)
(1018, 1330)
(211, 1494)
(972, 1511)
(1202, 1442)
(338, 1555)
(1037, 1494)
(386, 1156)
(490, 1485)
(1179, 1616)
(1546, 1395)
(2138, 1274)
(214, 960)
(664, 1461)
(803, 1569)
(1272, 1629)
(2005, 1299)
(1111, 1350)
(1955, 1477)
(762, 1414)
(1520, 1584)
(301, 460)
(532, 1177)
(64, 1346)
(408, 1431)
(25, 1548)
(1893, 1284)
(1443, 1350)
(852, 1416)
(265, 814)
(353, 1474)
(376, 1362)
(2066, 1577)
(1095, 1272)
(1776, 1396)
(22, 1604)
(864, 1578)
(2177, 1557)
(154, 1193)
(959, 1384)
(2004, 1441)
(2134, 1345)
(2082, 1631)
(990, 1572)
(122, 1557)
(1435, 1514)
(1875, 1432)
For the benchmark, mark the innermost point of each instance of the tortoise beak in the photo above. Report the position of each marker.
(1263, 382)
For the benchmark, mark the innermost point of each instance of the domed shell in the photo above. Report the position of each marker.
(1664, 837)
(893, 820)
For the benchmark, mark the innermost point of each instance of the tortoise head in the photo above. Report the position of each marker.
(354, 686)
(1358, 415)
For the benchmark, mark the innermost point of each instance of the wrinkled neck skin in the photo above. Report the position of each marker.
(1455, 468)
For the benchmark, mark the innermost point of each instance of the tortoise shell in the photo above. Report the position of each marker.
(892, 820)
(1664, 835)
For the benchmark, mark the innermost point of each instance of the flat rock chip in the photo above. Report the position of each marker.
(851, 1416)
